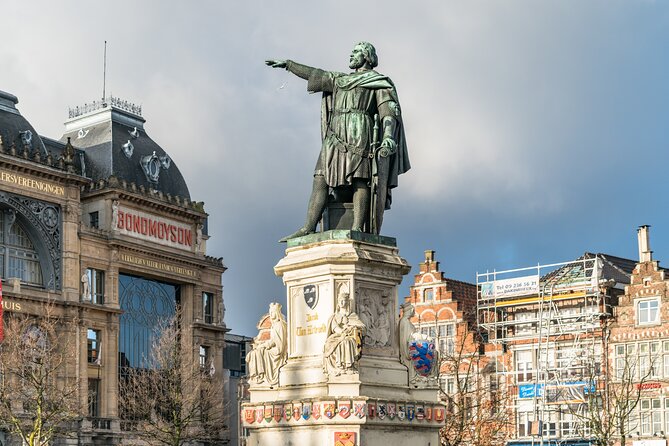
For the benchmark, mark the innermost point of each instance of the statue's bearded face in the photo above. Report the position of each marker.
(357, 58)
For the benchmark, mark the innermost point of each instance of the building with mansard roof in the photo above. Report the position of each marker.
(102, 223)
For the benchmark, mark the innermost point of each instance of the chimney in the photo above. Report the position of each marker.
(645, 254)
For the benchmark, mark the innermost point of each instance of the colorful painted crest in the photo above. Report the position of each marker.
(344, 408)
(268, 413)
(278, 413)
(383, 410)
(297, 411)
(249, 415)
(422, 356)
(359, 409)
(260, 413)
(344, 439)
(329, 409)
(411, 412)
(315, 411)
(306, 411)
(420, 412)
(439, 413)
(428, 413)
(401, 411)
(287, 411)
(371, 410)
(392, 411)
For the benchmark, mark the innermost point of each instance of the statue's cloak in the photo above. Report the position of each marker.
(399, 161)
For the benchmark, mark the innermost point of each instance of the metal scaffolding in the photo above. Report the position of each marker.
(552, 315)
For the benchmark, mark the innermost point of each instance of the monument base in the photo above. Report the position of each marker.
(369, 403)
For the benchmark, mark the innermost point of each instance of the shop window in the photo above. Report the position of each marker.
(96, 286)
(94, 398)
(208, 307)
(648, 311)
(93, 346)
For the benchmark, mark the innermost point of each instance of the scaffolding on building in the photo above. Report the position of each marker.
(555, 313)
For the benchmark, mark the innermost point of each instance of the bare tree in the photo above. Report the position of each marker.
(38, 398)
(475, 398)
(174, 400)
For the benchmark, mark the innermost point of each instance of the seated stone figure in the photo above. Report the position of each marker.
(343, 345)
(269, 352)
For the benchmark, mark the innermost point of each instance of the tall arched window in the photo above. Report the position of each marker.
(18, 256)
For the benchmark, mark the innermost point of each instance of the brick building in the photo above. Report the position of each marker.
(639, 350)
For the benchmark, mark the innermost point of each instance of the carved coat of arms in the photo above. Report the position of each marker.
(371, 410)
(260, 413)
(392, 411)
(344, 439)
(278, 413)
(306, 411)
(249, 415)
(310, 295)
(287, 411)
(383, 410)
(316, 411)
(359, 409)
(344, 408)
(329, 409)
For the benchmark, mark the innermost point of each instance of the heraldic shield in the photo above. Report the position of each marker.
(422, 356)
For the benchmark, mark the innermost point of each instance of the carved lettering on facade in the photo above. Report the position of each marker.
(310, 330)
(158, 265)
(30, 183)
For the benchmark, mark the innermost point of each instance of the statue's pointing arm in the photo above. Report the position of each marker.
(299, 70)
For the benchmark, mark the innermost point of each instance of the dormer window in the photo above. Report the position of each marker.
(648, 311)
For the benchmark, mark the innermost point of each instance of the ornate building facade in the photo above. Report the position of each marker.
(101, 224)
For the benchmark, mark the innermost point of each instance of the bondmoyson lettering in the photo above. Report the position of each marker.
(153, 228)
(30, 183)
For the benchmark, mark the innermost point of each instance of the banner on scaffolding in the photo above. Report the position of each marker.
(518, 286)
(563, 393)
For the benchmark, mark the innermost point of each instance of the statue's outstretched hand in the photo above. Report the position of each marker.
(276, 63)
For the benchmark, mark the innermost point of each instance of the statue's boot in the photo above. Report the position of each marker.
(319, 196)
(360, 205)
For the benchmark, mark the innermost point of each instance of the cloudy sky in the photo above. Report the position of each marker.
(536, 130)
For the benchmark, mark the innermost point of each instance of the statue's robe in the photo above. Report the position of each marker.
(350, 103)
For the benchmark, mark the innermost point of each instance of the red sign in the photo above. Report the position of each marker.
(154, 228)
(649, 386)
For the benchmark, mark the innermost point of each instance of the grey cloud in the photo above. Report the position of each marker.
(536, 129)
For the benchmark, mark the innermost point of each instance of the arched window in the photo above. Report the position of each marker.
(18, 256)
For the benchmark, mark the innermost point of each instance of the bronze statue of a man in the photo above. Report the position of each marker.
(363, 148)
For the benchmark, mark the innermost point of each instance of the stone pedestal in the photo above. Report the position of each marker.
(370, 405)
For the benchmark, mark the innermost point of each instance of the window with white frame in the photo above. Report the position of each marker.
(524, 365)
(648, 311)
(446, 338)
(428, 295)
